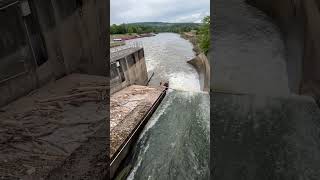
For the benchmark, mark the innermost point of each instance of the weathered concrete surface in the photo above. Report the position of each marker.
(202, 65)
(89, 161)
(264, 138)
(75, 39)
(39, 131)
(248, 51)
(299, 22)
(132, 64)
(127, 108)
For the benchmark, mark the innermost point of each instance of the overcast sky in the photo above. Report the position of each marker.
(128, 11)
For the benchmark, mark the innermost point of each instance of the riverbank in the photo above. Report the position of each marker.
(200, 62)
(192, 38)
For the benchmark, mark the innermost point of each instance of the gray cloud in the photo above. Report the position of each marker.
(127, 11)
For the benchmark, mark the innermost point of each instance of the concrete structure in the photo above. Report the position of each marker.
(264, 138)
(248, 54)
(201, 63)
(127, 67)
(299, 22)
(41, 131)
(42, 40)
(130, 110)
(258, 134)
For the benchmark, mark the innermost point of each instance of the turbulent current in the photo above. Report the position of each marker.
(175, 142)
(166, 56)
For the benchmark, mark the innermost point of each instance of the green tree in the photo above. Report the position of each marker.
(113, 29)
(204, 35)
(130, 30)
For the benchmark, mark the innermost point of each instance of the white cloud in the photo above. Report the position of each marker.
(126, 11)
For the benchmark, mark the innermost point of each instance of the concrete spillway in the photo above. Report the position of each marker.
(175, 142)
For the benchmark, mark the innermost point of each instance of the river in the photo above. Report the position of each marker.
(166, 56)
(175, 142)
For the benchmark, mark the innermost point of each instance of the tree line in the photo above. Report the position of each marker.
(202, 30)
(152, 27)
(203, 35)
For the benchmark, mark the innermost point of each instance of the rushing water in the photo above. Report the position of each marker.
(175, 142)
(166, 55)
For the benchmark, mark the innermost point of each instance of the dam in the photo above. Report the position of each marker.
(180, 124)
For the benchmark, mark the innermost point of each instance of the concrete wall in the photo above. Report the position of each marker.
(201, 63)
(135, 73)
(299, 21)
(74, 34)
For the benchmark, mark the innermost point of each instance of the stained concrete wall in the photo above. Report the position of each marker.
(75, 37)
(201, 63)
(299, 22)
(134, 73)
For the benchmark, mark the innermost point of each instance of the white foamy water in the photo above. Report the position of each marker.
(167, 55)
(175, 142)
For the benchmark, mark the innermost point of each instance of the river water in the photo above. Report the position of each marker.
(175, 142)
(166, 55)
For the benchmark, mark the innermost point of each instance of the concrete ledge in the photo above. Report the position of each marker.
(202, 66)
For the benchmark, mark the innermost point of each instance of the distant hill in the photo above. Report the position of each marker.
(155, 24)
(147, 27)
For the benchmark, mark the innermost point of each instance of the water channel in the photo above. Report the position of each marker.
(175, 142)
(166, 56)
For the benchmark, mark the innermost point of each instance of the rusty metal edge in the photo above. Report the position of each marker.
(122, 152)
